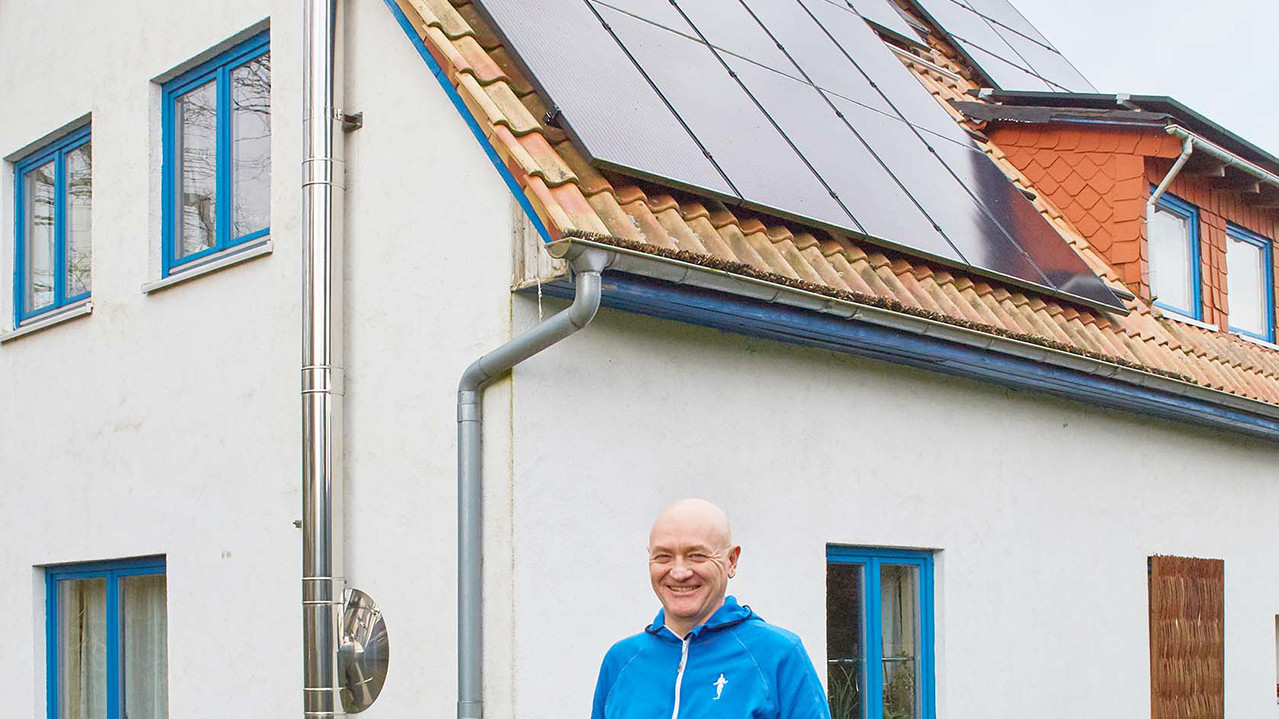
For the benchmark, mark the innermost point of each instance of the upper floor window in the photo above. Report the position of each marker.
(1250, 278)
(54, 198)
(1173, 243)
(107, 640)
(879, 633)
(217, 154)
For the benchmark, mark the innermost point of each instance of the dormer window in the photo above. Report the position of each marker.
(1173, 244)
(1250, 274)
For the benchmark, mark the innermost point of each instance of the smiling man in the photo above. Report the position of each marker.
(705, 656)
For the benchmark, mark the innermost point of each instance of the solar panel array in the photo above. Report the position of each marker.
(794, 107)
(1007, 48)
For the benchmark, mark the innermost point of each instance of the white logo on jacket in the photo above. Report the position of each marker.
(719, 685)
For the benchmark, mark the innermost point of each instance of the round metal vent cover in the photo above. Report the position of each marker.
(363, 654)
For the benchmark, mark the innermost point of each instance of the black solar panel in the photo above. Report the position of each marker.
(885, 16)
(1004, 45)
(1002, 12)
(794, 107)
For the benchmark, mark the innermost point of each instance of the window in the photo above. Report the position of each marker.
(879, 633)
(1173, 244)
(106, 634)
(1250, 278)
(217, 155)
(54, 198)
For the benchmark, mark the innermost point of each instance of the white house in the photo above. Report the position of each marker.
(971, 492)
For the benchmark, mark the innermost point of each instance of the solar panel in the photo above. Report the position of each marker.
(1003, 73)
(1003, 12)
(897, 84)
(977, 237)
(794, 107)
(1058, 262)
(884, 15)
(1049, 64)
(1004, 45)
(756, 158)
(633, 129)
(882, 207)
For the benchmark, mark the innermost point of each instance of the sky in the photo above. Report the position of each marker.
(1215, 57)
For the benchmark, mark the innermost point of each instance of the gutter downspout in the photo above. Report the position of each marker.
(1187, 147)
(322, 482)
(587, 263)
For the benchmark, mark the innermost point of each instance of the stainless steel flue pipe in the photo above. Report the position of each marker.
(322, 201)
(587, 264)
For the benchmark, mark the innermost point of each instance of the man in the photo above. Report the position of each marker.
(705, 656)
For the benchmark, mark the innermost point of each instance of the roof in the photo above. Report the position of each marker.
(1151, 106)
(572, 198)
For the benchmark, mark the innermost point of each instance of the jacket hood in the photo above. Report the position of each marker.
(726, 616)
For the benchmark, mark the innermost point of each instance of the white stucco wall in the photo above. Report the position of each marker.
(1043, 512)
(168, 424)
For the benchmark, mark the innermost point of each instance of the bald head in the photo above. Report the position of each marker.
(691, 557)
(694, 515)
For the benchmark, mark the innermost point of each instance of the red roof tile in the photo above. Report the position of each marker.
(572, 197)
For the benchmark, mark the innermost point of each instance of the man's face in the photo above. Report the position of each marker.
(690, 563)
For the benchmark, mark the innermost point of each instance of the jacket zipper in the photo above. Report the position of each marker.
(679, 676)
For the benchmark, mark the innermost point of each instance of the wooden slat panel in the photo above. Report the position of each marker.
(1187, 642)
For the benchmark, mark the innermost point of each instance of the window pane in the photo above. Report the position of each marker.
(82, 648)
(79, 204)
(251, 146)
(144, 657)
(845, 648)
(1171, 279)
(1245, 275)
(38, 253)
(899, 616)
(197, 155)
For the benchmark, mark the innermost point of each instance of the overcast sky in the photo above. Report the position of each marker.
(1217, 57)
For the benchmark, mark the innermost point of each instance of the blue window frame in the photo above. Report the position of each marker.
(1250, 279)
(53, 198)
(217, 154)
(879, 633)
(106, 636)
(1172, 240)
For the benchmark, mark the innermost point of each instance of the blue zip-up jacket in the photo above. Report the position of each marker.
(735, 666)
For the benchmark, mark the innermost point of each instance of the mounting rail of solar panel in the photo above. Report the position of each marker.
(795, 108)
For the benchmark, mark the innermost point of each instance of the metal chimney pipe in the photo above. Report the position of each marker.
(322, 201)
(587, 263)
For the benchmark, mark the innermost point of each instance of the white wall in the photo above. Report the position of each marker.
(169, 424)
(1044, 512)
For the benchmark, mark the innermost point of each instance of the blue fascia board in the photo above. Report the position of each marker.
(786, 324)
(741, 315)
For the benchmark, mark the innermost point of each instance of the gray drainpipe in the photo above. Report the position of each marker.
(587, 264)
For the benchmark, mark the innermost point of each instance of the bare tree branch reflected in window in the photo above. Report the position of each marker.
(197, 155)
(251, 146)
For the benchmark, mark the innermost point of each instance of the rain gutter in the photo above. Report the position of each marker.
(1217, 152)
(587, 263)
(701, 295)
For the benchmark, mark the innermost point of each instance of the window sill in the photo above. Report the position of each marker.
(1171, 315)
(211, 264)
(1255, 340)
(65, 314)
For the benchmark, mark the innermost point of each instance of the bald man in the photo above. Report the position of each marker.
(705, 656)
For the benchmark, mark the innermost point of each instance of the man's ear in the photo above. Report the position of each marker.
(733, 555)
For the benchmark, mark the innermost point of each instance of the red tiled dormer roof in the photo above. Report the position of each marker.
(572, 198)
